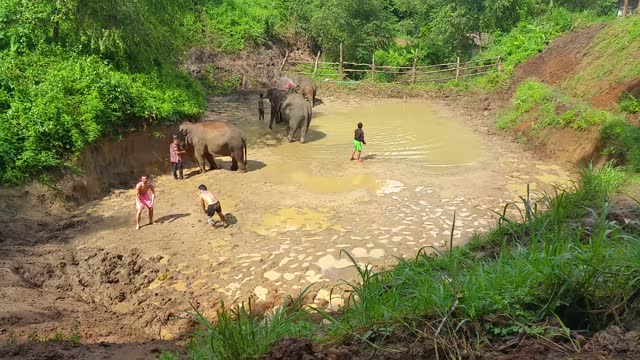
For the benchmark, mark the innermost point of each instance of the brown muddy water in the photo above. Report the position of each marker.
(408, 131)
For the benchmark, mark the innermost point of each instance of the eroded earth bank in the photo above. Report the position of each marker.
(85, 273)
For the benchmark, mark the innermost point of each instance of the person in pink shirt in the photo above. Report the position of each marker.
(175, 157)
(144, 200)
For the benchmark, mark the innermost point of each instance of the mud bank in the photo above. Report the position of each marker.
(118, 163)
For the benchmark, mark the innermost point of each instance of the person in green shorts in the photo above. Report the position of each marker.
(358, 140)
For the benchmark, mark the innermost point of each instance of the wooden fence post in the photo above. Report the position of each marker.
(315, 67)
(340, 65)
(286, 55)
(413, 70)
(458, 68)
(373, 67)
(499, 64)
(624, 8)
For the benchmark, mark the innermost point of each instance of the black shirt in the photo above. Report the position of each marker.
(359, 135)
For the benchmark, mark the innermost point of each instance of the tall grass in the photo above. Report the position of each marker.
(545, 106)
(566, 262)
(239, 333)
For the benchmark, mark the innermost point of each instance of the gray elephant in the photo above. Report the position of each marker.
(296, 112)
(307, 88)
(275, 97)
(203, 140)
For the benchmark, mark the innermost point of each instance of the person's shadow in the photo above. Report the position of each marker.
(170, 218)
(368, 157)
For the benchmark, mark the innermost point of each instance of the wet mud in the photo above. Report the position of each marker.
(292, 215)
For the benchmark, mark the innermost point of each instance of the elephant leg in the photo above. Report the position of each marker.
(291, 130)
(212, 162)
(274, 113)
(234, 162)
(200, 160)
(303, 130)
(242, 166)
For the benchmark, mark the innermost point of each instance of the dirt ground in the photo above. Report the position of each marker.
(88, 275)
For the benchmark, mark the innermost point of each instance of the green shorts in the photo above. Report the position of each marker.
(357, 145)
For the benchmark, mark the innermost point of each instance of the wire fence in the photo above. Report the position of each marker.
(344, 70)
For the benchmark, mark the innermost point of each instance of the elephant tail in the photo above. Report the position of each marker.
(244, 145)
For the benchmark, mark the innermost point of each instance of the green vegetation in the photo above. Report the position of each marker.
(567, 262)
(240, 334)
(73, 72)
(623, 141)
(612, 59)
(530, 37)
(545, 106)
(232, 25)
(628, 103)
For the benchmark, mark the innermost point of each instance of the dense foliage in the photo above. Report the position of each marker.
(73, 71)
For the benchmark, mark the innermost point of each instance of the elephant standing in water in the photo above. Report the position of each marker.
(308, 89)
(203, 140)
(275, 97)
(296, 111)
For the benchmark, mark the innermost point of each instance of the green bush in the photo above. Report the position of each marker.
(59, 103)
(622, 140)
(234, 24)
(528, 95)
(628, 103)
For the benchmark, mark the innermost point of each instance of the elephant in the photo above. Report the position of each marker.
(203, 140)
(286, 83)
(296, 112)
(307, 88)
(275, 97)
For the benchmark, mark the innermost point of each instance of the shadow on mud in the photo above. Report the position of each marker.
(171, 218)
(52, 349)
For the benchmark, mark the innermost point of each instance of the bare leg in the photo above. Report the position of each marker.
(212, 222)
(150, 216)
(359, 156)
(138, 213)
(353, 153)
(224, 220)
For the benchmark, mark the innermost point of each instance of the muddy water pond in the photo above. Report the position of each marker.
(409, 131)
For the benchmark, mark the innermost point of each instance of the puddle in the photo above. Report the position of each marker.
(294, 219)
(333, 184)
(180, 286)
(410, 131)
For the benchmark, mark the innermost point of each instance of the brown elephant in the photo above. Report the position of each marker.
(203, 140)
(307, 88)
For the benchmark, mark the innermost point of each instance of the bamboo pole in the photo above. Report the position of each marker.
(286, 55)
(373, 67)
(458, 68)
(340, 70)
(315, 66)
(413, 70)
